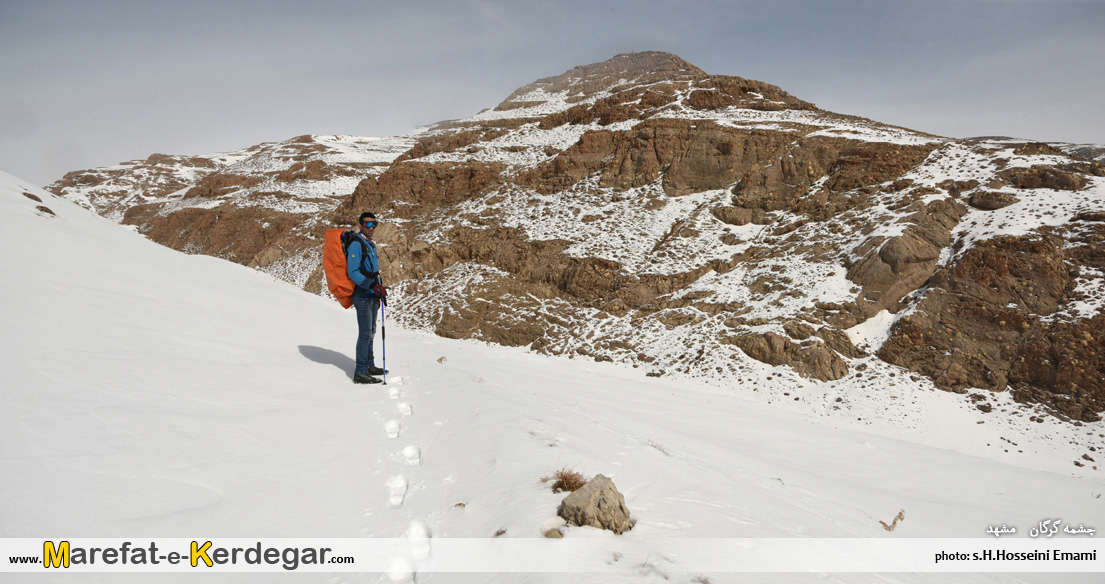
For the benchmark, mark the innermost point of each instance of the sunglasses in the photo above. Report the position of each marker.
(369, 224)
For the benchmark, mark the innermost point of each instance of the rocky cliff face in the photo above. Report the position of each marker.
(643, 211)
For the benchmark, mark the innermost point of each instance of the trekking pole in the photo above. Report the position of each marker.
(384, 342)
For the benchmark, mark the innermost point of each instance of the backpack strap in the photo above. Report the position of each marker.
(364, 252)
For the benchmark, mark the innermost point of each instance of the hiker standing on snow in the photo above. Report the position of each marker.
(363, 267)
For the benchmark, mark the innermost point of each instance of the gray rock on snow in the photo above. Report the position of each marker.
(598, 504)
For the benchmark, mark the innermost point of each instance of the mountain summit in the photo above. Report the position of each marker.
(643, 211)
(650, 78)
(588, 80)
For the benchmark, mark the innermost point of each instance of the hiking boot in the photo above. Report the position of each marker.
(375, 370)
(363, 378)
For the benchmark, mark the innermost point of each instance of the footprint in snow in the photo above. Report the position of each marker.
(405, 408)
(413, 455)
(393, 392)
(401, 570)
(397, 490)
(392, 428)
(419, 535)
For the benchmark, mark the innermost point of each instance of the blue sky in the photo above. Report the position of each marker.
(90, 83)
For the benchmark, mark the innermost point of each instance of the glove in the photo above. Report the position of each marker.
(381, 293)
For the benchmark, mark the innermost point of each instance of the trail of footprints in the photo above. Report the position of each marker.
(402, 569)
(397, 485)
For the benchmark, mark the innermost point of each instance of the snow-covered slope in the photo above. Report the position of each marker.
(151, 393)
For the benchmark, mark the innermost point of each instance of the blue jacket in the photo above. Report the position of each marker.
(370, 263)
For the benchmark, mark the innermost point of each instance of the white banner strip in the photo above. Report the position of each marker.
(538, 555)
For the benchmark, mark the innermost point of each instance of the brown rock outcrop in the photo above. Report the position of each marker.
(871, 163)
(184, 161)
(611, 110)
(1063, 366)
(313, 170)
(238, 234)
(892, 268)
(1043, 177)
(446, 142)
(979, 326)
(798, 331)
(848, 165)
(693, 156)
(838, 341)
(409, 188)
(1037, 148)
(990, 200)
(220, 184)
(740, 215)
(811, 359)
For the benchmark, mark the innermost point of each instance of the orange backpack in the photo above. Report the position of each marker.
(334, 245)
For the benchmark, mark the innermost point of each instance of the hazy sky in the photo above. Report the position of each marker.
(88, 83)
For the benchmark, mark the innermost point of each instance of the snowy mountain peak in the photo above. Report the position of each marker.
(645, 212)
(580, 83)
(629, 85)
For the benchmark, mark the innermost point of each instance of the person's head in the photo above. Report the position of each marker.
(367, 223)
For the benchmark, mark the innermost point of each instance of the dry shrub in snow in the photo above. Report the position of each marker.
(900, 517)
(566, 480)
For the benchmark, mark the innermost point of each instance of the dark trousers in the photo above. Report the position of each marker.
(367, 306)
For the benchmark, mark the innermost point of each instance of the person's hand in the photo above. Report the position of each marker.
(380, 291)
